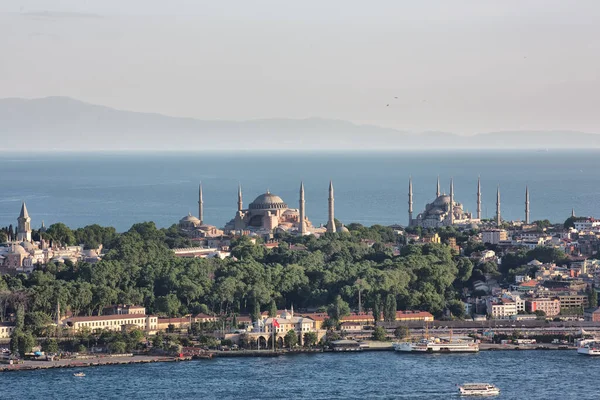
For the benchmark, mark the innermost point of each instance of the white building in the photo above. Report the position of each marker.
(494, 236)
(501, 308)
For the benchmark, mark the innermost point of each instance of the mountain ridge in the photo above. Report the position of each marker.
(64, 123)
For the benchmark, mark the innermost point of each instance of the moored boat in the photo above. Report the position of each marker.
(79, 374)
(438, 345)
(589, 347)
(478, 389)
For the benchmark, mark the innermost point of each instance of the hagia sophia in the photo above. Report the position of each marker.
(268, 213)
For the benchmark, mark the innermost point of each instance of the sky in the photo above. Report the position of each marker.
(462, 66)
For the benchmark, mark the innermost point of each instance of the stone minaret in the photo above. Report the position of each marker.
(437, 192)
(451, 201)
(498, 217)
(527, 205)
(240, 204)
(479, 198)
(200, 204)
(24, 225)
(331, 219)
(302, 225)
(410, 202)
(572, 212)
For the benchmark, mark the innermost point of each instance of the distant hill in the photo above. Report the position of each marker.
(63, 123)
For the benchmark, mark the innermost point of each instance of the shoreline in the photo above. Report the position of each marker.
(143, 359)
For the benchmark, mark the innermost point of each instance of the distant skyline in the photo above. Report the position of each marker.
(463, 66)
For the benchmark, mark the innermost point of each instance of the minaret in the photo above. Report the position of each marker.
(200, 204)
(240, 197)
(302, 225)
(410, 202)
(479, 198)
(498, 218)
(331, 219)
(24, 225)
(451, 201)
(437, 193)
(527, 205)
(572, 213)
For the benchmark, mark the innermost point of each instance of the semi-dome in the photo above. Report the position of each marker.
(267, 201)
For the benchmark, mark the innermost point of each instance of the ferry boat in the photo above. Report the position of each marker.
(437, 345)
(79, 374)
(589, 347)
(478, 389)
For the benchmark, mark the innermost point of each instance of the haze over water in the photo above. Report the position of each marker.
(370, 188)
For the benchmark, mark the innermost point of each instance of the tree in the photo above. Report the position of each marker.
(310, 339)
(338, 309)
(593, 297)
(540, 313)
(290, 339)
(389, 312)
(117, 347)
(26, 342)
(61, 233)
(50, 346)
(168, 305)
(273, 309)
(379, 334)
(401, 332)
(457, 308)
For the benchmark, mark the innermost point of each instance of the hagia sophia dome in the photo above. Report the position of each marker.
(268, 201)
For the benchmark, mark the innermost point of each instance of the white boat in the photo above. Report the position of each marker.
(437, 345)
(589, 347)
(478, 389)
(79, 374)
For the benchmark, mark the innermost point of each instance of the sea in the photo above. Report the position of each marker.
(120, 189)
(529, 375)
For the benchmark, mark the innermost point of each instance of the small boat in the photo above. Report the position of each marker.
(79, 374)
(478, 389)
(589, 347)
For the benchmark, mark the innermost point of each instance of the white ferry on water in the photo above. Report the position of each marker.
(437, 345)
(478, 389)
(589, 347)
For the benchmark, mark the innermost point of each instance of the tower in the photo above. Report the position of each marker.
(24, 225)
(302, 225)
(331, 218)
(437, 192)
(479, 197)
(527, 205)
(451, 201)
(410, 202)
(498, 217)
(200, 204)
(572, 213)
(240, 197)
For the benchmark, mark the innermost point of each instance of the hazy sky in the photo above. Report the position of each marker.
(460, 66)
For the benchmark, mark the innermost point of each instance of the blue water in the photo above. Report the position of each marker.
(528, 375)
(370, 188)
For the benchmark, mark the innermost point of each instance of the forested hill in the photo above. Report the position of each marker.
(140, 268)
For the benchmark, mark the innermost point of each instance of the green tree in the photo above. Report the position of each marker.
(117, 347)
(401, 332)
(290, 339)
(389, 312)
(310, 339)
(272, 309)
(379, 334)
(593, 297)
(61, 233)
(168, 305)
(26, 342)
(338, 309)
(50, 346)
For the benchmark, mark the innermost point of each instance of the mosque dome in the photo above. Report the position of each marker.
(18, 249)
(27, 246)
(443, 199)
(189, 219)
(267, 201)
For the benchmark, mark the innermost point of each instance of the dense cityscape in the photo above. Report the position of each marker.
(272, 281)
